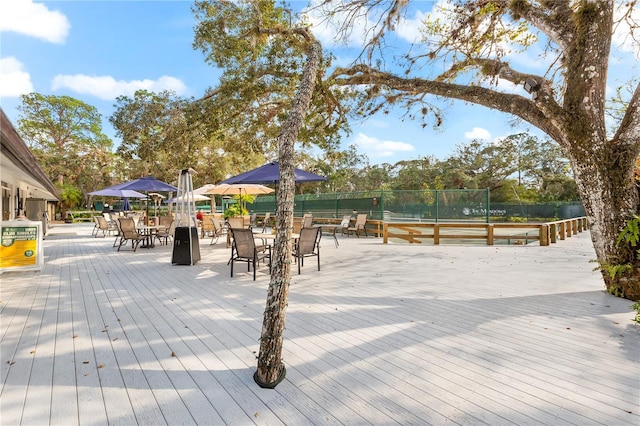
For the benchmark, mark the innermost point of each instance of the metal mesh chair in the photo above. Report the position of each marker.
(307, 245)
(244, 249)
(360, 225)
(128, 232)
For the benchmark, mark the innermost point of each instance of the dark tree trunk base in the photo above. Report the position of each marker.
(281, 376)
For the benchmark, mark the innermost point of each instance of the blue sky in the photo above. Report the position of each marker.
(98, 50)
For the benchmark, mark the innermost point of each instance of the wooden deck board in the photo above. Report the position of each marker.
(383, 334)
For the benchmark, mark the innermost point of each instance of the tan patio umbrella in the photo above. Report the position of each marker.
(240, 189)
(192, 195)
(202, 191)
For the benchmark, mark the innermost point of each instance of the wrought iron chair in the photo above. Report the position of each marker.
(307, 245)
(244, 249)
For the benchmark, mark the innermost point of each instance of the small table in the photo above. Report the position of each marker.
(331, 228)
(264, 236)
(149, 232)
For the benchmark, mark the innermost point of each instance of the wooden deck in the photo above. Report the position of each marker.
(383, 334)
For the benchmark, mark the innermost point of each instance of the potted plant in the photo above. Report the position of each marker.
(239, 208)
(235, 210)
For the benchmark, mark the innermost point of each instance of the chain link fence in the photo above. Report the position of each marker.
(421, 206)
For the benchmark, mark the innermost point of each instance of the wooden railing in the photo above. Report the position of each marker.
(435, 232)
(514, 233)
(374, 227)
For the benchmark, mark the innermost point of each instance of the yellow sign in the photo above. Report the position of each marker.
(19, 246)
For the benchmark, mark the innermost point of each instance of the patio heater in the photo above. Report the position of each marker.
(186, 248)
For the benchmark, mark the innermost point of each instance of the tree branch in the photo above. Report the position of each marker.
(556, 26)
(535, 112)
(629, 131)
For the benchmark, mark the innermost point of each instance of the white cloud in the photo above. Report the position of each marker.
(478, 133)
(108, 88)
(35, 20)
(14, 81)
(409, 28)
(377, 148)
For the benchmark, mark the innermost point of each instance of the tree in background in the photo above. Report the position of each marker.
(65, 135)
(70, 197)
(469, 41)
(154, 132)
(341, 167)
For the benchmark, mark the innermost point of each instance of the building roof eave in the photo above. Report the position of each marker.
(16, 150)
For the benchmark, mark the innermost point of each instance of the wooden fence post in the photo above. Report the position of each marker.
(544, 235)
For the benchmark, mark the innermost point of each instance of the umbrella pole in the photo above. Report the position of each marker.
(147, 208)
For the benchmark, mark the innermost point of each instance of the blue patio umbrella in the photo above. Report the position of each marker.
(114, 191)
(270, 174)
(147, 184)
(120, 193)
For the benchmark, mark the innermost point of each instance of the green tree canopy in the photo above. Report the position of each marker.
(65, 135)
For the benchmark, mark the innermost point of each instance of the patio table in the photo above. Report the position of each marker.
(330, 228)
(149, 232)
(264, 236)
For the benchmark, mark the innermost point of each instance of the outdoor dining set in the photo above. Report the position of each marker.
(251, 240)
(134, 228)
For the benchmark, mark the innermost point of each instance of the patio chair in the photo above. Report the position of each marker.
(361, 221)
(252, 220)
(118, 235)
(136, 218)
(104, 226)
(128, 232)
(236, 222)
(96, 226)
(297, 225)
(218, 229)
(207, 226)
(345, 223)
(264, 222)
(307, 245)
(307, 220)
(165, 233)
(244, 249)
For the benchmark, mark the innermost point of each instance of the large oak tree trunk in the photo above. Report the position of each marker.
(606, 185)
